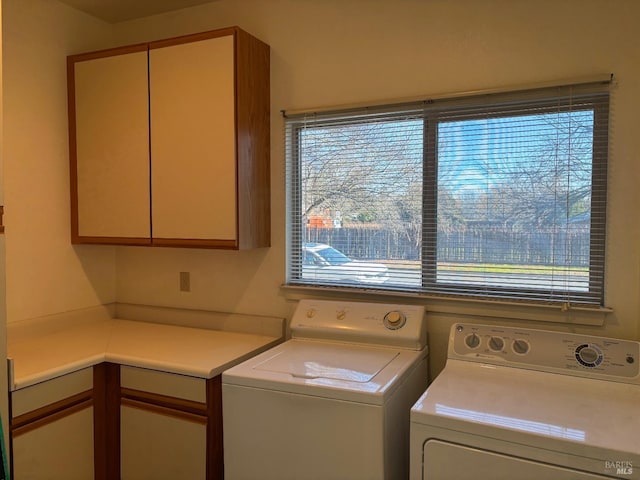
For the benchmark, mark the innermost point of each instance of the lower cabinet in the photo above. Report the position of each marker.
(52, 429)
(114, 422)
(156, 446)
(163, 425)
(64, 445)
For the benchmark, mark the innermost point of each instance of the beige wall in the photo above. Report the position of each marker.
(333, 52)
(323, 53)
(44, 273)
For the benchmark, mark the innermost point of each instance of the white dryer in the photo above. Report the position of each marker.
(333, 402)
(515, 403)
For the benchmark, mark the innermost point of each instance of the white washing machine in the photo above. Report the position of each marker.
(333, 402)
(515, 403)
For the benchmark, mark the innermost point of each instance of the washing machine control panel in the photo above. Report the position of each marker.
(551, 351)
(361, 322)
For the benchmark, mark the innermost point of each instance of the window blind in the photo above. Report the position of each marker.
(494, 196)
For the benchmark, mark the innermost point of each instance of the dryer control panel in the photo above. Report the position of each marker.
(550, 351)
(361, 322)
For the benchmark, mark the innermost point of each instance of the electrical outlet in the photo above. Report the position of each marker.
(185, 281)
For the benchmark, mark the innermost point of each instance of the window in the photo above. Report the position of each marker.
(492, 196)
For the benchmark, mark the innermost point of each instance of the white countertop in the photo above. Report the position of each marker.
(197, 352)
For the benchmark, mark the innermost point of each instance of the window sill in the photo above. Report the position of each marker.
(458, 306)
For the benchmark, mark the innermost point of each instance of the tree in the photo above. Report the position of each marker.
(520, 170)
(360, 169)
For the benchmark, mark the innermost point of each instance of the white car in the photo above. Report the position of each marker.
(323, 262)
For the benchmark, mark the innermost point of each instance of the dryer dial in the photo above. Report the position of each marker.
(589, 355)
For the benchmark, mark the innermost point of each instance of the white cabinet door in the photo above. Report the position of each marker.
(60, 449)
(155, 446)
(49, 440)
(157, 441)
(170, 143)
(109, 116)
(193, 149)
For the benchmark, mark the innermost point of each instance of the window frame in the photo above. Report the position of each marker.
(429, 114)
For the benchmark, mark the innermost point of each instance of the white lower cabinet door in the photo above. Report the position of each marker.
(61, 449)
(157, 446)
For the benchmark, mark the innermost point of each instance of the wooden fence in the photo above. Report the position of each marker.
(496, 245)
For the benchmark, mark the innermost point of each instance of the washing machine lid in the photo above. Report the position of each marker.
(351, 372)
(580, 416)
(329, 361)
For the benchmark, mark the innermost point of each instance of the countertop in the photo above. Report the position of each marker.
(196, 352)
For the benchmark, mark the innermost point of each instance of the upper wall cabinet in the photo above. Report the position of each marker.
(169, 143)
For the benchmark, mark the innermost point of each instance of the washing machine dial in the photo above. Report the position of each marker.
(394, 320)
(472, 341)
(496, 344)
(521, 347)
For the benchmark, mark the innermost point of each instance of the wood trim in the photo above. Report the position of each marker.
(50, 413)
(108, 52)
(1, 219)
(106, 421)
(77, 239)
(162, 410)
(215, 445)
(73, 147)
(253, 138)
(195, 243)
(182, 405)
(17, 431)
(195, 37)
